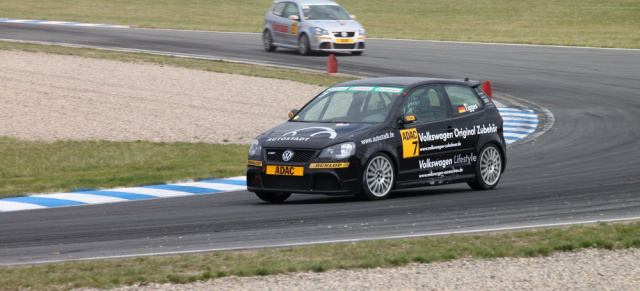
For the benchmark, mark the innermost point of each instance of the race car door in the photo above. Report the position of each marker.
(285, 29)
(429, 142)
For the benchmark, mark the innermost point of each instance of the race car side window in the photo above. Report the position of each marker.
(279, 8)
(463, 99)
(426, 103)
(291, 9)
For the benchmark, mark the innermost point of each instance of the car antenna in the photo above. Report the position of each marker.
(466, 79)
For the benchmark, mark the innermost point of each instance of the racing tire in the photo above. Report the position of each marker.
(378, 178)
(488, 168)
(267, 41)
(357, 53)
(272, 197)
(304, 47)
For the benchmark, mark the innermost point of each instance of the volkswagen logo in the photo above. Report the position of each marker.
(344, 34)
(287, 155)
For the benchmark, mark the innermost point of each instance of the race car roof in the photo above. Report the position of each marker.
(406, 82)
(309, 2)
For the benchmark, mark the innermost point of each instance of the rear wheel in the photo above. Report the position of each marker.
(267, 41)
(276, 197)
(488, 168)
(304, 47)
(378, 178)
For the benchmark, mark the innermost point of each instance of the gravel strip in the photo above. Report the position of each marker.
(51, 97)
(589, 269)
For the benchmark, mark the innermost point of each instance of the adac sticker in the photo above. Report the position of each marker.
(410, 143)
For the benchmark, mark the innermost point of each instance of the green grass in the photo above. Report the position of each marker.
(550, 22)
(42, 167)
(555, 22)
(318, 258)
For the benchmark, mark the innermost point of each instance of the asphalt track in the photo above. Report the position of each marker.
(585, 168)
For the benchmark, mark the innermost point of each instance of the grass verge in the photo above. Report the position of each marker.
(61, 166)
(318, 258)
(553, 22)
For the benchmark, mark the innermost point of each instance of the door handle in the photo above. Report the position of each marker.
(449, 128)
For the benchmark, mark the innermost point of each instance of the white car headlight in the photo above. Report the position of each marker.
(318, 31)
(255, 148)
(361, 32)
(339, 151)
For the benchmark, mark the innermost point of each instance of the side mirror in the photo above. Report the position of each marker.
(293, 113)
(294, 17)
(409, 118)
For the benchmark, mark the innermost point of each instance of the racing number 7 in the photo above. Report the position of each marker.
(410, 143)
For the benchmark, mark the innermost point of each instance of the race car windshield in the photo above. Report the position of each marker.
(325, 12)
(350, 104)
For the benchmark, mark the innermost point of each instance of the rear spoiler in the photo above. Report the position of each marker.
(486, 86)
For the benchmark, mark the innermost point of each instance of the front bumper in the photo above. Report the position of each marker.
(333, 44)
(342, 181)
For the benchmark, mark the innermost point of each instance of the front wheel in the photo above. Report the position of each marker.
(304, 47)
(488, 168)
(267, 41)
(273, 197)
(378, 178)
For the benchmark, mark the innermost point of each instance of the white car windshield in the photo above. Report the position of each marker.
(354, 104)
(324, 12)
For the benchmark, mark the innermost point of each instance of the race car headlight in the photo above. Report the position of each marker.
(318, 31)
(255, 149)
(339, 151)
(361, 32)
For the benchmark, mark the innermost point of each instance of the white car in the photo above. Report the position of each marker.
(312, 25)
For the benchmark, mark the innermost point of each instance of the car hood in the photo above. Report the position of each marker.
(336, 25)
(313, 135)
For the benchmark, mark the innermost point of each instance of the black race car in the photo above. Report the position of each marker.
(368, 137)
